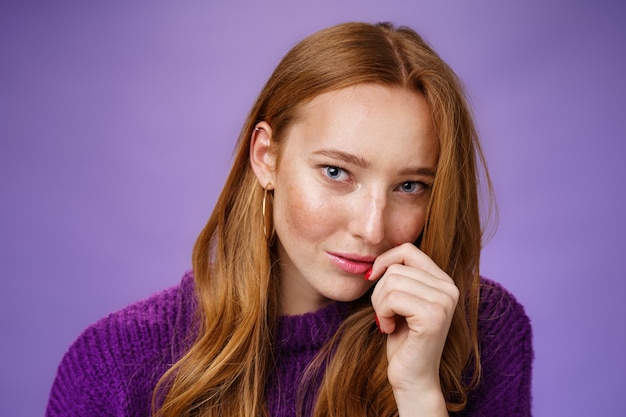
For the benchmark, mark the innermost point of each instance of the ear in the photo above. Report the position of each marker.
(262, 155)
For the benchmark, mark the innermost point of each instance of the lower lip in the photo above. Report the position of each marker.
(350, 266)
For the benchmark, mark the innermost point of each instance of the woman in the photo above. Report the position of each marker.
(339, 272)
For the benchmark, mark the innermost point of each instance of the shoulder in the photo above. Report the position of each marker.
(498, 306)
(502, 322)
(144, 327)
(504, 328)
(506, 354)
(153, 317)
(122, 356)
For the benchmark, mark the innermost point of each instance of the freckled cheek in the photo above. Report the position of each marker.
(406, 226)
(305, 214)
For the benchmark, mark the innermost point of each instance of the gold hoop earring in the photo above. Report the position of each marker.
(265, 213)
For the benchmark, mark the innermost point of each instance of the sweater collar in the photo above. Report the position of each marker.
(310, 331)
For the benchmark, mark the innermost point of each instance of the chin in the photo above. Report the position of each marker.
(347, 294)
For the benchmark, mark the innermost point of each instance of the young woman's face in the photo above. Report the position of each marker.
(353, 180)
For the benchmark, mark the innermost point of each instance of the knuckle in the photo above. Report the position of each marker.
(395, 297)
(437, 314)
(452, 291)
(394, 269)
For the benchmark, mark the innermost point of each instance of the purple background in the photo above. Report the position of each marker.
(117, 123)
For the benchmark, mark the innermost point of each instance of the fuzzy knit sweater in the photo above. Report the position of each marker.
(112, 368)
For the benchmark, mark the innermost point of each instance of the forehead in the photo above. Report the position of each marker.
(367, 118)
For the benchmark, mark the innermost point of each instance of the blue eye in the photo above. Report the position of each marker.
(333, 172)
(409, 186)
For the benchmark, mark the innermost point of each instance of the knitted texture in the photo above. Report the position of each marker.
(299, 339)
(506, 354)
(112, 368)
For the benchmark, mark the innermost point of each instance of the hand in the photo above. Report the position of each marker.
(414, 301)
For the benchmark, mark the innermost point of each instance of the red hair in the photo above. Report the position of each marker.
(225, 370)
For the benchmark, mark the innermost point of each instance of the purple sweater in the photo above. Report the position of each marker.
(112, 368)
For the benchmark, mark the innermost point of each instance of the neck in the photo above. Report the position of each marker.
(296, 300)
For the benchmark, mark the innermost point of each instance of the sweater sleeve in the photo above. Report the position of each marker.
(505, 338)
(112, 368)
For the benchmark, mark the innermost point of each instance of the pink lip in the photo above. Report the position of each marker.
(352, 264)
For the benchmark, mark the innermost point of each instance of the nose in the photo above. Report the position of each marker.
(368, 218)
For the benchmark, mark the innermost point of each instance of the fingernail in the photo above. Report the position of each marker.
(368, 274)
(377, 322)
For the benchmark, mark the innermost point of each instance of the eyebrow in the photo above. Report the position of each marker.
(344, 156)
(421, 171)
(362, 163)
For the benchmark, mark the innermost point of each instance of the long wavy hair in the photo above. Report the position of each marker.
(224, 371)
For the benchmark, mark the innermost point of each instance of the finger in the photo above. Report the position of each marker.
(413, 281)
(423, 316)
(415, 273)
(413, 294)
(409, 255)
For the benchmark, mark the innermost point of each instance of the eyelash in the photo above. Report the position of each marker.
(421, 186)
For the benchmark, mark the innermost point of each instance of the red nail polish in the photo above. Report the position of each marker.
(368, 274)
(377, 322)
